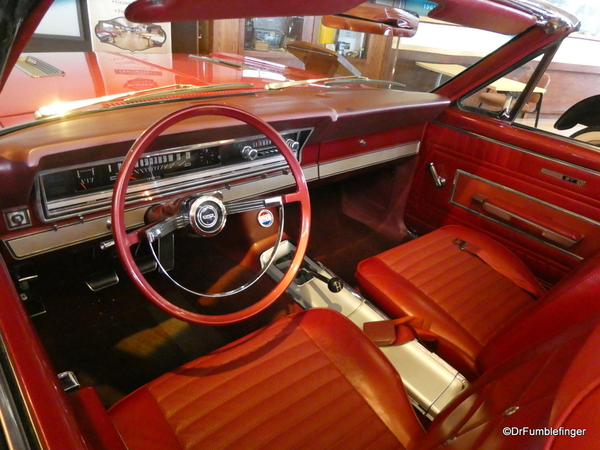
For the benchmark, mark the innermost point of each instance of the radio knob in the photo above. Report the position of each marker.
(249, 153)
(294, 145)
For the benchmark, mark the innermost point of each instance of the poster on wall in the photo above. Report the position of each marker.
(112, 32)
(144, 71)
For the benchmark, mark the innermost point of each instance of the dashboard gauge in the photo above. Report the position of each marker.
(148, 168)
(156, 167)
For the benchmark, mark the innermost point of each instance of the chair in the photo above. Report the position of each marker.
(476, 294)
(318, 59)
(497, 100)
(314, 381)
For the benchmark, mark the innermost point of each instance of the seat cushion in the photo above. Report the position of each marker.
(466, 299)
(311, 380)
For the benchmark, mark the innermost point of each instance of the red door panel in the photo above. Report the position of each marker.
(535, 193)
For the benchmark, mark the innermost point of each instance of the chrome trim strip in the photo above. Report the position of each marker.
(338, 166)
(33, 244)
(14, 432)
(528, 197)
(63, 236)
(550, 18)
(522, 150)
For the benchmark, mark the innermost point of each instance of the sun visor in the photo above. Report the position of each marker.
(483, 14)
(191, 10)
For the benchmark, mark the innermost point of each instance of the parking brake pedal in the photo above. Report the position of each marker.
(33, 303)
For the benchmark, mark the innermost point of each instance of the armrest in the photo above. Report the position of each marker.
(544, 226)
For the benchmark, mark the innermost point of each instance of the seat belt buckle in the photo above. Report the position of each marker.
(466, 247)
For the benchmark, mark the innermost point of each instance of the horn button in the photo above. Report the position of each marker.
(207, 215)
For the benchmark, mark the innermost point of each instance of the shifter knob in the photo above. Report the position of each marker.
(335, 284)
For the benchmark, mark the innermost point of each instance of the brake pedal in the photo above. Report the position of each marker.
(102, 280)
(68, 381)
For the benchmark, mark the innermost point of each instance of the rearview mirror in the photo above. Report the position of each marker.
(375, 19)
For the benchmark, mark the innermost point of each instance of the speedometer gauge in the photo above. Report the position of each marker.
(149, 167)
(155, 167)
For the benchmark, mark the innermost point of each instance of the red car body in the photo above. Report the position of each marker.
(90, 75)
(350, 127)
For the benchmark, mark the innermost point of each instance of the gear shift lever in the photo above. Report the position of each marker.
(334, 284)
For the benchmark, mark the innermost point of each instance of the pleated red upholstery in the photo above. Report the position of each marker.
(290, 385)
(465, 298)
(536, 389)
(313, 381)
(283, 388)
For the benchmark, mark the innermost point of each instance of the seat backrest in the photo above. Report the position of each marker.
(524, 402)
(572, 300)
(577, 403)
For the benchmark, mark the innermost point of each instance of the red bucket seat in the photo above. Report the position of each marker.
(314, 381)
(480, 300)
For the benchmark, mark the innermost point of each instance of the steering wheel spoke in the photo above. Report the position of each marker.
(135, 237)
(166, 227)
(251, 204)
(294, 197)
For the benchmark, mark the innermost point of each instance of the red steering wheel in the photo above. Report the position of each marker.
(200, 213)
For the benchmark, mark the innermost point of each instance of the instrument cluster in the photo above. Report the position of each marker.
(73, 191)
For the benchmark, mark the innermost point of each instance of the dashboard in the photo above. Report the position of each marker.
(58, 175)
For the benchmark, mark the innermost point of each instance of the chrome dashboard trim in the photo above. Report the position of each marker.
(62, 236)
(331, 168)
(251, 179)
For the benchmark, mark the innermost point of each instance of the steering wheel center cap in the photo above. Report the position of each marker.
(207, 215)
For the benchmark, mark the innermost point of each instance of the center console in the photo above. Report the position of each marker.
(430, 382)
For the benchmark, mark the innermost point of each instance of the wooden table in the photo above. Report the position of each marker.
(500, 85)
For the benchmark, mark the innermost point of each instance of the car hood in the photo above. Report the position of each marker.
(46, 78)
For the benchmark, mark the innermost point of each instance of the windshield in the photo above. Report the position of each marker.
(86, 56)
(440, 51)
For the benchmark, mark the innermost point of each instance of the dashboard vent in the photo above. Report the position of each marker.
(37, 68)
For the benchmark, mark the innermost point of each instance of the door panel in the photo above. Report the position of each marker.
(535, 193)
